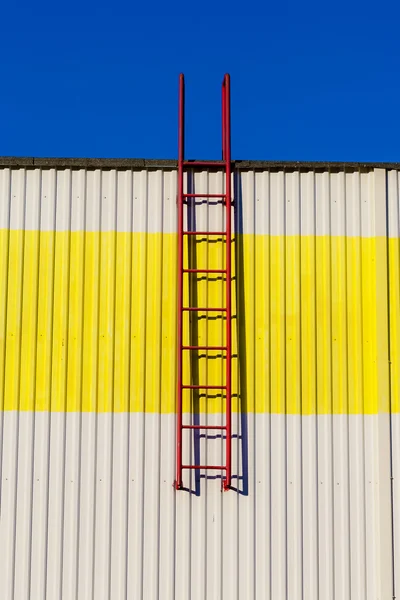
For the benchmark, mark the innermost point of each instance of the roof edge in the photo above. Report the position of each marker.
(154, 163)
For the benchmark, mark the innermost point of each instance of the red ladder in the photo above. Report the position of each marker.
(227, 309)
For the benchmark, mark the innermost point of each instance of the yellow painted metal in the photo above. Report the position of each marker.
(88, 322)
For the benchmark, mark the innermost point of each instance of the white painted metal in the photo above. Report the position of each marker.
(83, 515)
(393, 199)
(335, 203)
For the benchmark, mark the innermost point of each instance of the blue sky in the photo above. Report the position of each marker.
(310, 81)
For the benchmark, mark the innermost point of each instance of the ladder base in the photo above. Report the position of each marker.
(225, 487)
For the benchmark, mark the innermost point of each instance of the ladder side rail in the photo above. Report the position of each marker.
(223, 121)
(228, 204)
(179, 407)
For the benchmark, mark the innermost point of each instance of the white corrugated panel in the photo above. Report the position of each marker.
(393, 187)
(87, 381)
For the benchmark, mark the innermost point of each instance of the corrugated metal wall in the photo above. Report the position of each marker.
(393, 195)
(87, 384)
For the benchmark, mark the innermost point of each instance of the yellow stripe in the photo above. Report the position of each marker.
(75, 323)
(262, 307)
(4, 245)
(122, 321)
(88, 322)
(277, 324)
(394, 320)
(29, 319)
(107, 293)
(308, 325)
(45, 310)
(324, 324)
(59, 341)
(12, 339)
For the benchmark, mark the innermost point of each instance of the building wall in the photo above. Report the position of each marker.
(393, 208)
(87, 387)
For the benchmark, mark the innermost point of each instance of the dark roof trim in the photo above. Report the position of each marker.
(142, 163)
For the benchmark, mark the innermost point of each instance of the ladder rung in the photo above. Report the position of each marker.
(203, 467)
(203, 163)
(204, 387)
(204, 270)
(193, 308)
(203, 347)
(204, 195)
(218, 427)
(219, 233)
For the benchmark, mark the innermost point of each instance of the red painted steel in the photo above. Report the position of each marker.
(223, 120)
(181, 151)
(203, 163)
(204, 270)
(219, 467)
(203, 347)
(204, 195)
(205, 233)
(217, 427)
(204, 309)
(226, 144)
(226, 197)
(204, 387)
